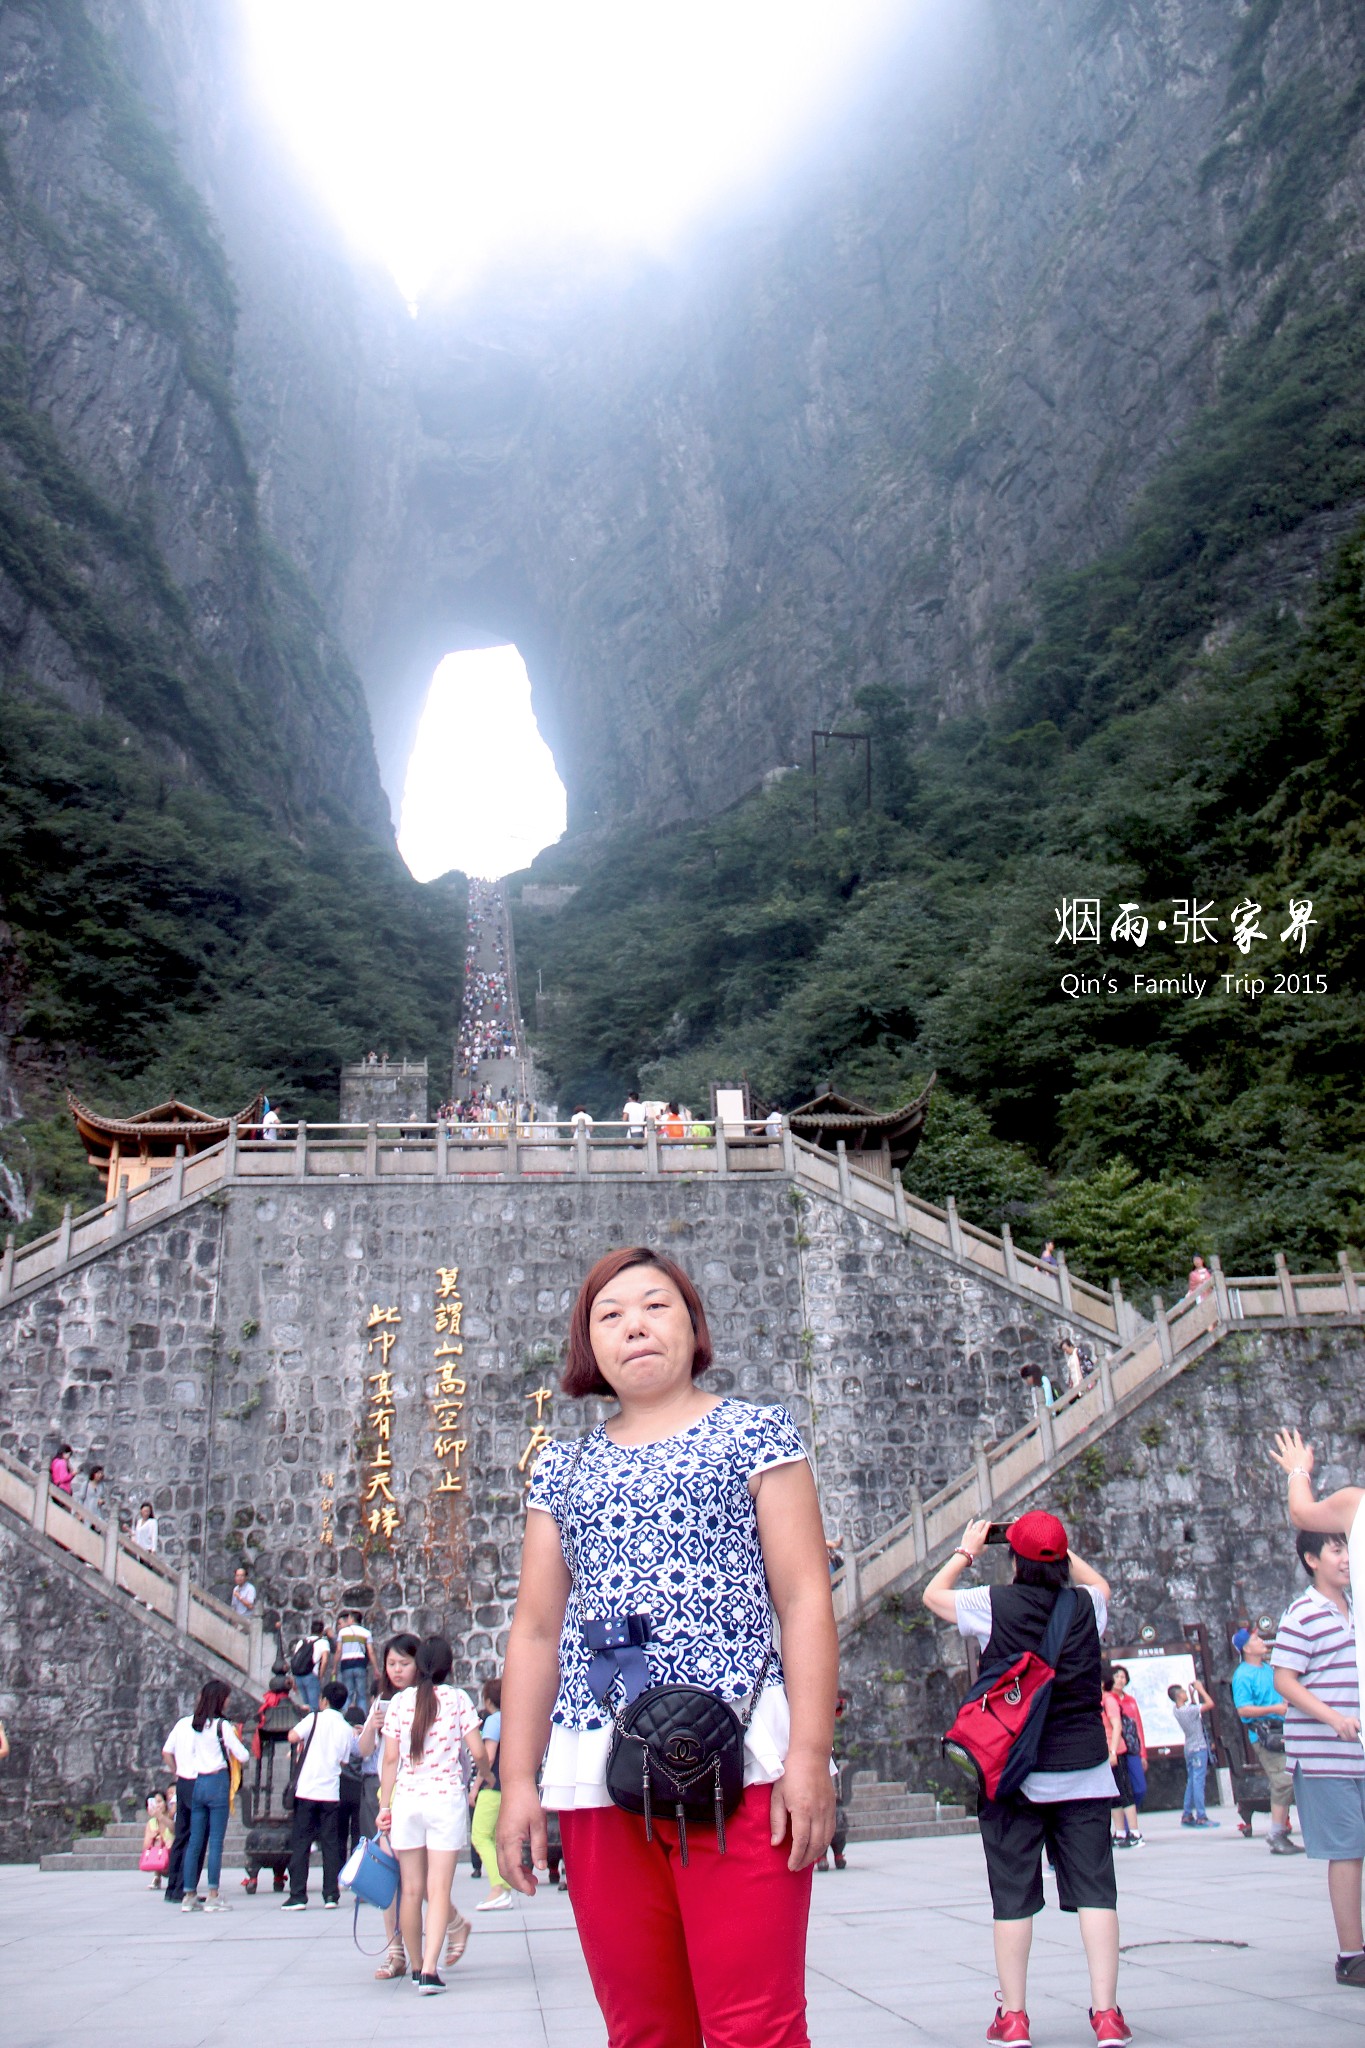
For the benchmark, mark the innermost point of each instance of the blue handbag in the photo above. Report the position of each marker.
(373, 1877)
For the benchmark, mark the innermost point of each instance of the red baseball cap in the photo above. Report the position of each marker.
(1038, 1536)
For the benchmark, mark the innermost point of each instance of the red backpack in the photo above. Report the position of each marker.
(1000, 1723)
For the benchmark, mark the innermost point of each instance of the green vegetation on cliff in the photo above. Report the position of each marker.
(1137, 756)
(198, 893)
(166, 940)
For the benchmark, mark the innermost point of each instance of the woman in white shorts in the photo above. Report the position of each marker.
(422, 1803)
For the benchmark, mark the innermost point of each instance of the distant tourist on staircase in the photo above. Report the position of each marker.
(1033, 1376)
(145, 1529)
(59, 1468)
(90, 1492)
(715, 1947)
(243, 1600)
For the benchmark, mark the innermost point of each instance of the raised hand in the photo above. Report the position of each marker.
(1291, 1452)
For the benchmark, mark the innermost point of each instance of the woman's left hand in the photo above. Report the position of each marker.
(803, 1799)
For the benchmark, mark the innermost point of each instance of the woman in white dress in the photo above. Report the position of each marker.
(422, 1804)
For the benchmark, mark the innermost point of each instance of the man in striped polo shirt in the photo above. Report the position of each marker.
(1315, 1675)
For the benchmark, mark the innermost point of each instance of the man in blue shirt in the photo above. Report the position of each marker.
(1261, 1709)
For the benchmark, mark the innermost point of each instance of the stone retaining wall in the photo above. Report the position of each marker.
(221, 1365)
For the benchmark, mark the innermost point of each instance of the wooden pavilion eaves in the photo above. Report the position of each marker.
(892, 1133)
(135, 1147)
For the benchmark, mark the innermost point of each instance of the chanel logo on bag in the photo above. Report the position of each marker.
(1013, 1694)
(682, 1752)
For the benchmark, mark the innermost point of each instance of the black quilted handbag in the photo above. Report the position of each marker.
(674, 1746)
(681, 1748)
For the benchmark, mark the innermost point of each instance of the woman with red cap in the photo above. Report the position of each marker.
(1063, 1804)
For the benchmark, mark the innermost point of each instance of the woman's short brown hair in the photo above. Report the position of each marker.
(581, 1376)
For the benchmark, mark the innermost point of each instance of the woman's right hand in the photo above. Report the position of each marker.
(383, 1820)
(521, 1819)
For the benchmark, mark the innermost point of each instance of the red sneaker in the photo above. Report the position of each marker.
(1009, 2026)
(1111, 2028)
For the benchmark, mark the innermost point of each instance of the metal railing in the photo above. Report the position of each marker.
(1001, 1474)
(160, 1588)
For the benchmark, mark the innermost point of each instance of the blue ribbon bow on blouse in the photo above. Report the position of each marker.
(617, 1644)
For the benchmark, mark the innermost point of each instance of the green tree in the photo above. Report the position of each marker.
(991, 1181)
(1114, 1224)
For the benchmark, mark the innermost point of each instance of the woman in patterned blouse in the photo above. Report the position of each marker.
(701, 1514)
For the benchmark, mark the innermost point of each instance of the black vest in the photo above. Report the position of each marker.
(1073, 1734)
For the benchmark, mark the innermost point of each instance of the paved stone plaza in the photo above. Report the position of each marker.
(900, 1952)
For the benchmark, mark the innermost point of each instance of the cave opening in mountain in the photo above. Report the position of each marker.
(481, 791)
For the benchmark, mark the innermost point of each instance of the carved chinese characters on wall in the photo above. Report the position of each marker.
(449, 1432)
(380, 1512)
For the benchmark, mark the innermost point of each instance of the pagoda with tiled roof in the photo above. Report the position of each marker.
(133, 1149)
(881, 1140)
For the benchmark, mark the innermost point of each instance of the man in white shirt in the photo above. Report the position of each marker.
(325, 1741)
(243, 1594)
(633, 1117)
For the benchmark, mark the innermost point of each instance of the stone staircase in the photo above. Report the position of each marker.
(1002, 1476)
(119, 1847)
(878, 1810)
(155, 1594)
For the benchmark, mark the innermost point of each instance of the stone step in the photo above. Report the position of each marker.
(885, 1809)
(911, 1831)
(120, 1846)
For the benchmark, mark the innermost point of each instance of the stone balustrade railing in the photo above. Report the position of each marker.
(508, 1152)
(1002, 1474)
(160, 1588)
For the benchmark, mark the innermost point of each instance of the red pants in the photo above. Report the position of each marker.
(713, 1953)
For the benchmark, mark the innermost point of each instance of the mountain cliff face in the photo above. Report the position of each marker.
(838, 445)
(849, 442)
(198, 883)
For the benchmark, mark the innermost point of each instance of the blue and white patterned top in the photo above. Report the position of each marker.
(670, 1530)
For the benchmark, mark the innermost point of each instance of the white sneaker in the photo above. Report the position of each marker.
(499, 1903)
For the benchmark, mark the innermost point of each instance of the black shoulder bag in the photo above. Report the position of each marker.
(678, 1747)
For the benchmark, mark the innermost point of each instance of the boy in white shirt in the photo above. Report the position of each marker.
(326, 1741)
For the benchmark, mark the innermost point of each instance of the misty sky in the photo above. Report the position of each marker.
(446, 135)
